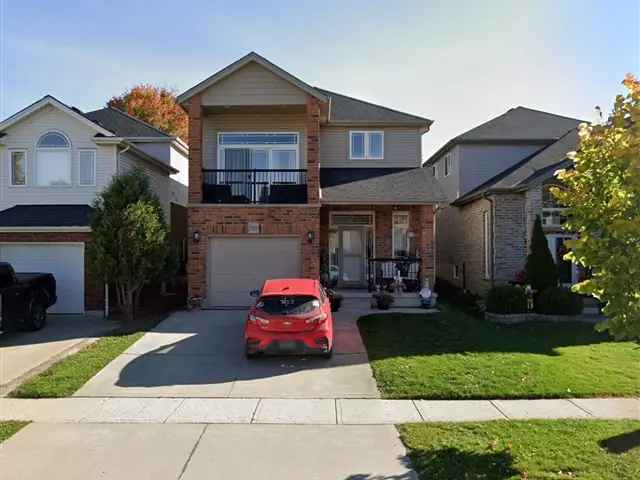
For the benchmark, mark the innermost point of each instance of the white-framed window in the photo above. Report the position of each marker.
(486, 235)
(435, 170)
(447, 165)
(53, 160)
(86, 168)
(18, 164)
(400, 234)
(258, 150)
(366, 145)
(456, 272)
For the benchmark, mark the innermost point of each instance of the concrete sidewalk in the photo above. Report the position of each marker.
(340, 411)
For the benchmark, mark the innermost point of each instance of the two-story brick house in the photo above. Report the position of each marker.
(54, 160)
(496, 179)
(289, 180)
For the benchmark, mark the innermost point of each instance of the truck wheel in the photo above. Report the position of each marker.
(36, 315)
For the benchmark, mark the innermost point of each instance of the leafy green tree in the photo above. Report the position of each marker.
(602, 193)
(129, 238)
(542, 271)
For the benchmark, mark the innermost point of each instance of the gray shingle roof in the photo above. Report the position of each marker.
(123, 124)
(516, 125)
(46, 216)
(530, 171)
(414, 186)
(348, 109)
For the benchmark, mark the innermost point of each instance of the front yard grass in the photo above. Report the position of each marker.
(63, 378)
(9, 428)
(552, 449)
(452, 355)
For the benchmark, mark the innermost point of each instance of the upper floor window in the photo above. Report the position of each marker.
(53, 160)
(553, 213)
(435, 170)
(87, 167)
(258, 151)
(447, 165)
(366, 145)
(18, 160)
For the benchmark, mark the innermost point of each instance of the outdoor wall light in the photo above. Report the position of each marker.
(311, 235)
(196, 236)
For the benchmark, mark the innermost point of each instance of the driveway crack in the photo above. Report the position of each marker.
(193, 450)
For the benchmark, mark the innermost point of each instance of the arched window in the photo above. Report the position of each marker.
(53, 160)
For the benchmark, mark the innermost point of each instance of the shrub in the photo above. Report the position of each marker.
(506, 300)
(559, 301)
(541, 270)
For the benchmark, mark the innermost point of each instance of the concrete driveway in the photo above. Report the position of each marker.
(200, 354)
(23, 354)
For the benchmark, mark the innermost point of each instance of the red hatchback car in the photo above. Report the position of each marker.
(291, 315)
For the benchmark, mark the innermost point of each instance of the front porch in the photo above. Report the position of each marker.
(363, 247)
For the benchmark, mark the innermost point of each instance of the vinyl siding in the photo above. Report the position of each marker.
(26, 133)
(253, 85)
(214, 124)
(451, 183)
(159, 180)
(479, 163)
(402, 148)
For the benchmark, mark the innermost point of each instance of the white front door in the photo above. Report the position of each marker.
(567, 271)
(64, 261)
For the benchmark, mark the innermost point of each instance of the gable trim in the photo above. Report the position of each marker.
(238, 64)
(49, 100)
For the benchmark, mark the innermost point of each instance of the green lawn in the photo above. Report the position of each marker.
(9, 428)
(69, 374)
(452, 355)
(500, 450)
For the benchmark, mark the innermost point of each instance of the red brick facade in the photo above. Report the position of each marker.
(93, 288)
(195, 149)
(234, 220)
(313, 150)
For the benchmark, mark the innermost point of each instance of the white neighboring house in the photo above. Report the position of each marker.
(54, 160)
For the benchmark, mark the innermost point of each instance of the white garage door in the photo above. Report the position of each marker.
(66, 262)
(238, 265)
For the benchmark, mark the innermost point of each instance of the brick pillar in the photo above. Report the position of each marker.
(426, 244)
(195, 149)
(313, 150)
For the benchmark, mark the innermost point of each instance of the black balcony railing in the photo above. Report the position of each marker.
(383, 272)
(254, 186)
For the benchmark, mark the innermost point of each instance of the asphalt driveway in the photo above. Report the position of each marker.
(200, 354)
(23, 354)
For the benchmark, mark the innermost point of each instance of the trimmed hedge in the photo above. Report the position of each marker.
(506, 300)
(559, 301)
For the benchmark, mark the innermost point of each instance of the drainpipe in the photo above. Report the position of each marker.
(491, 246)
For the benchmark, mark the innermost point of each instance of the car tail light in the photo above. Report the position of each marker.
(255, 319)
(318, 318)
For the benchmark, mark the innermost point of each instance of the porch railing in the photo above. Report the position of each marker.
(254, 186)
(382, 272)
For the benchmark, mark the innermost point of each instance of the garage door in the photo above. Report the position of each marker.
(66, 262)
(238, 265)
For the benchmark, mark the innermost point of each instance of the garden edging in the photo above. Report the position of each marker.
(537, 317)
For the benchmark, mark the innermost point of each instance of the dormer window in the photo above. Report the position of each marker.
(53, 160)
(366, 145)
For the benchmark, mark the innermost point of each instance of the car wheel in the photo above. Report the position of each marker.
(328, 354)
(36, 315)
(249, 353)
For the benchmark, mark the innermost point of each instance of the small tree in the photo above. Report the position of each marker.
(542, 271)
(602, 193)
(154, 105)
(129, 238)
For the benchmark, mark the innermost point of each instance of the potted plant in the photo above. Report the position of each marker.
(335, 298)
(383, 300)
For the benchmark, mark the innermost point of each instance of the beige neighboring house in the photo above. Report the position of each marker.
(54, 160)
(496, 178)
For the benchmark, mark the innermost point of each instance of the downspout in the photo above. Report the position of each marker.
(491, 247)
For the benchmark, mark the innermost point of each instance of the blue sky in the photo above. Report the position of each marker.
(456, 62)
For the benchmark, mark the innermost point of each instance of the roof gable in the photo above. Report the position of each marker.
(237, 65)
(54, 102)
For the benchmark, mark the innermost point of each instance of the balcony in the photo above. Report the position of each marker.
(254, 186)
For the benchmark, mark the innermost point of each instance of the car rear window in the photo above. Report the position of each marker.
(288, 304)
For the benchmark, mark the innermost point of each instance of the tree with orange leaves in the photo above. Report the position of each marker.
(154, 105)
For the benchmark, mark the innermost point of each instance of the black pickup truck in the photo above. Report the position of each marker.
(25, 298)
